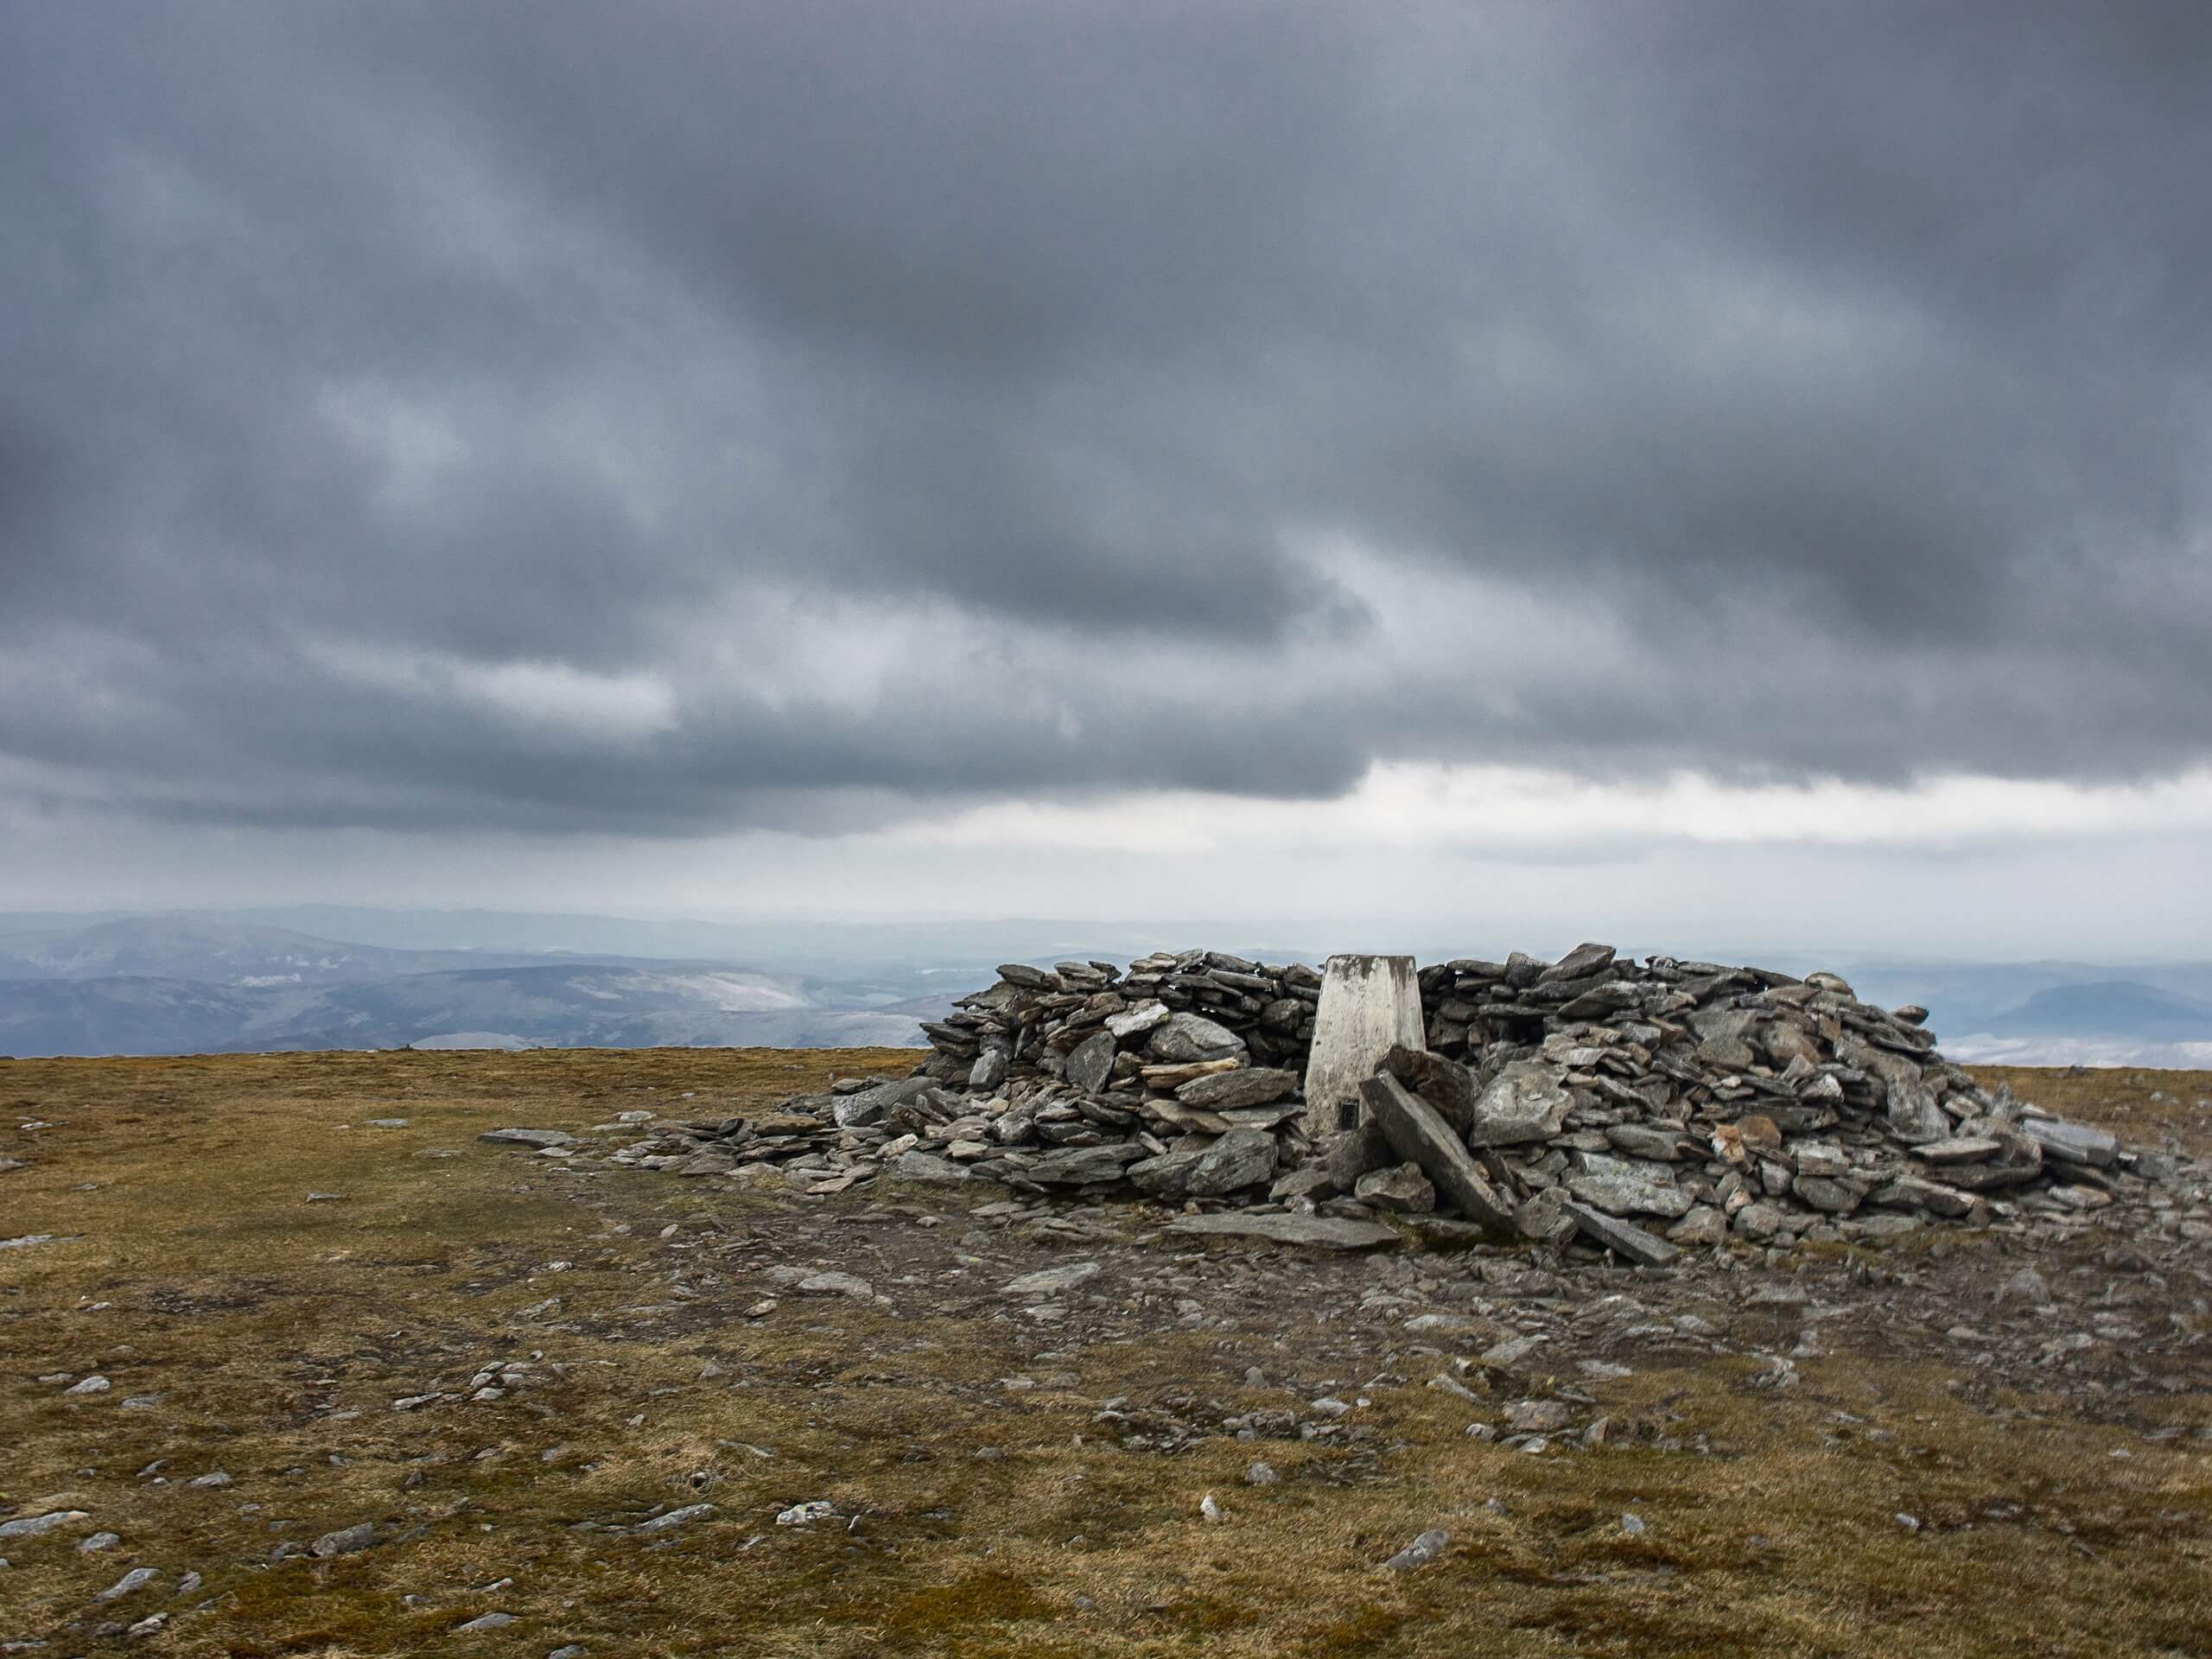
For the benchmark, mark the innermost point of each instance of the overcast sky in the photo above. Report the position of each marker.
(1744, 470)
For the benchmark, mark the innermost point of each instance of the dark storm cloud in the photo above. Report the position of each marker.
(1845, 369)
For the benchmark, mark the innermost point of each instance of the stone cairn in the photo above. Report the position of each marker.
(1638, 1108)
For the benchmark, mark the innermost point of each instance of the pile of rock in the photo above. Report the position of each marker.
(1639, 1108)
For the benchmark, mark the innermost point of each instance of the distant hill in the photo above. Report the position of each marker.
(2119, 1008)
(164, 985)
(179, 947)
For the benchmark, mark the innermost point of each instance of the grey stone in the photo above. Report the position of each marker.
(1401, 1188)
(1424, 1550)
(135, 1580)
(1349, 1153)
(1703, 1226)
(872, 1104)
(988, 1071)
(1092, 1061)
(1225, 1091)
(836, 1284)
(1622, 1239)
(1579, 964)
(1307, 1181)
(1164, 1176)
(485, 1622)
(1545, 1218)
(528, 1137)
(1322, 1232)
(1960, 1149)
(928, 1167)
(1052, 1282)
(1639, 1140)
(675, 1518)
(345, 1541)
(1538, 1416)
(1188, 1039)
(1914, 1116)
(1083, 1165)
(1242, 1158)
(1630, 1195)
(1757, 1221)
(1444, 1084)
(1525, 1103)
(1830, 1196)
(1417, 1132)
(1021, 974)
(36, 1526)
(1937, 1199)
(2070, 1143)
(1137, 1022)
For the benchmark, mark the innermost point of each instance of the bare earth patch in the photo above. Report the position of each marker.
(283, 1323)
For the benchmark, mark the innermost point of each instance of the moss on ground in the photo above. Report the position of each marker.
(273, 1333)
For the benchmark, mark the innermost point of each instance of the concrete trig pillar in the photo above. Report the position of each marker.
(1367, 1005)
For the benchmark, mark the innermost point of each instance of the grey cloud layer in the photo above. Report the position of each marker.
(1836, 381)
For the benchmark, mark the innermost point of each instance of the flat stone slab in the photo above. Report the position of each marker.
(1322, 1232)
(1369, 1006)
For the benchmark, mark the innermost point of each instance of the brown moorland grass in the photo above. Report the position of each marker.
(249, 1329)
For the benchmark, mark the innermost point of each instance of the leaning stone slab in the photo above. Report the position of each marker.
(1323, 1232)
(1369, 1006)
(1417, 1131)
(1621, 1238)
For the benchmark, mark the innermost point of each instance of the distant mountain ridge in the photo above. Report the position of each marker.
(159, 985)
(210, 981)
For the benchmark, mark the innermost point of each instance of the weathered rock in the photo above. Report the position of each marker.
(1053, 1281)
(1524, 1103)
(1093, 1060)
(1579, 964)
(1638, 1140)
(1349, 1153)
(1630, 1195)
(1239, 1159)
(1417, 1132)
(927, 1166)
(1225, 1091)
(346, 1540)
(1545, 1218)
(1622, 1239)
(1183, 1039)
(1402, 1188)
(1321, 1232)
(1165, 1177)
(528, 1137)
(1703, 1226)
(1083, 1165)
(2072, 1143)
(1137, 1022)
(1424, 1548)
(1444, 1084)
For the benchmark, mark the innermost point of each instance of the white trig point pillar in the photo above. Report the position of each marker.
(1369, 1004)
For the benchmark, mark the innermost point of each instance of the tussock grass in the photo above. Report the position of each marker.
(261, 1320)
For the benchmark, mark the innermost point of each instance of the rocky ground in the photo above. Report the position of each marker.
(292, 1361)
